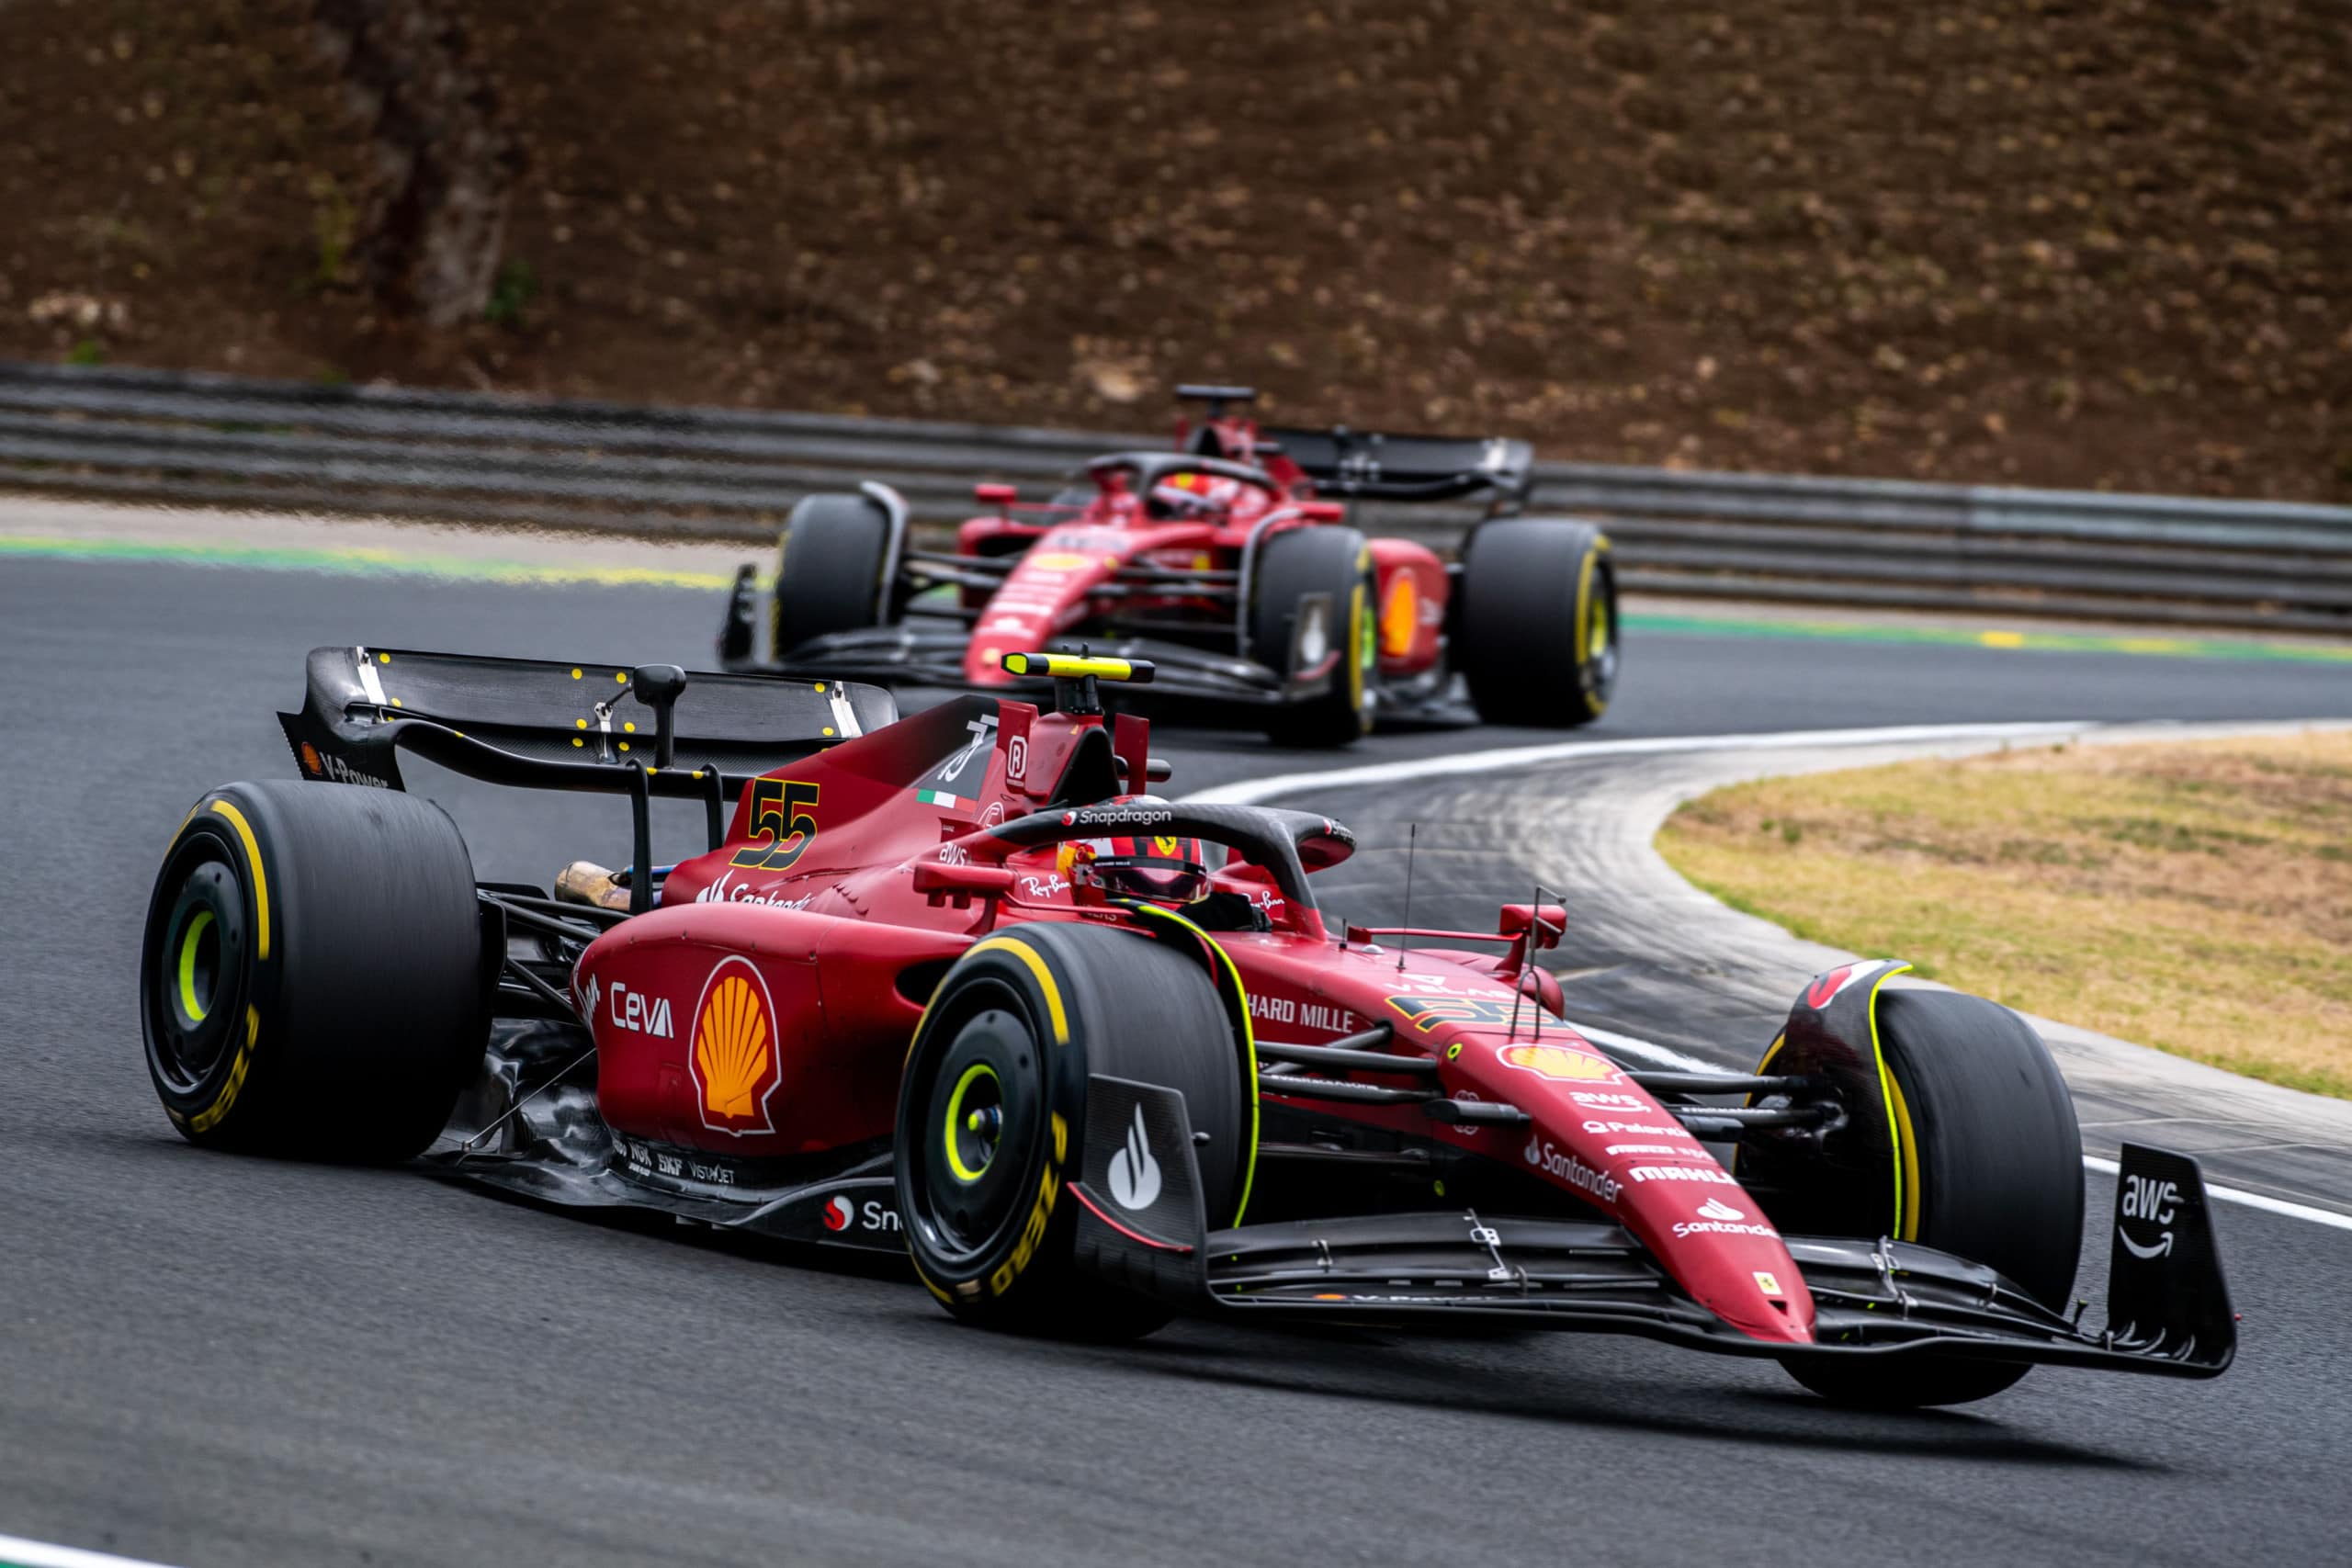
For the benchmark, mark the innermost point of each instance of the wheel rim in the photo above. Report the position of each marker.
(200, 966)
(975, 1117)
(984, 1116)
(194, 978)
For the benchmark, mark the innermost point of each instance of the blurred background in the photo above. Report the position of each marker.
(2097, 243)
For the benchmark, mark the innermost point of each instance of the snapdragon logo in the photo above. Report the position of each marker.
(1564, 1167)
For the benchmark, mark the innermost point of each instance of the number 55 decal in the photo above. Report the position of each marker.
(781, 825)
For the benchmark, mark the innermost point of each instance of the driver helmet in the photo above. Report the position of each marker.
(1161, 869)
(1185, 497)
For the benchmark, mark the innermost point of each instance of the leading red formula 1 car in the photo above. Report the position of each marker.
(1231, 563)
(951, 985)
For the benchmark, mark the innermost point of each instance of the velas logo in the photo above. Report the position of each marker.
(1135, 1174)
(734, 1060)
(1826, 987)
(837, 1213)
(1558, 1064)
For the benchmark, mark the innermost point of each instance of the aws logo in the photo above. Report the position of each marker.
(734, 1061)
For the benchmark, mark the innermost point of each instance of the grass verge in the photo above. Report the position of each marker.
(2196, 898)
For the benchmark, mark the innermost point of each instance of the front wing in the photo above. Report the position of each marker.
(1188, 684)
(2168, 1313)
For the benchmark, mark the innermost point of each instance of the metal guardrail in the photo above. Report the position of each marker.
(198, 438)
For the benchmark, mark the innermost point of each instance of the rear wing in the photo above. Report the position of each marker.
(1366, 466)
(642, 731)
(543, 725)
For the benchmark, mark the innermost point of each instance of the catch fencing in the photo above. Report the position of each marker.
(184, 438)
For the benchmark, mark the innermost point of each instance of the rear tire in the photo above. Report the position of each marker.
(1993, 1170)
(1537, 636)
(991, 1124)
(1322, 572)
(312, 979)
(830, 562)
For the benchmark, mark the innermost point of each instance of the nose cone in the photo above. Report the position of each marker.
(1769, 1303)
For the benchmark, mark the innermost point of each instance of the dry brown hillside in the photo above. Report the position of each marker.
(2069, 241)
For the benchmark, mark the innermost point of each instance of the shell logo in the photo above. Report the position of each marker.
(1552, 1062)
(734, 1060)
(1058, 560)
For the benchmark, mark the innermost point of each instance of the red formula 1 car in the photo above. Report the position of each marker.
(1230, 565)
(949, 986)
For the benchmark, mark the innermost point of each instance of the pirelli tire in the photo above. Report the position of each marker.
(1536, 637)
(831, 559)
(1992, 1172)
(991, 1125)
(311, 978)
(1311, 607)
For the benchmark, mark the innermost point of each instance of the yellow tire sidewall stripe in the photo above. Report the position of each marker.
(1887, 1091)
(1030, 957)
(236, 819)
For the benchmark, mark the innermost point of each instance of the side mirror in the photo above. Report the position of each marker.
(658, 686)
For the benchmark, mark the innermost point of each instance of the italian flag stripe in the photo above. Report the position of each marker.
(941, 797)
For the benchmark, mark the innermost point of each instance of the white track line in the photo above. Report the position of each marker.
(15, 1552)
(1663, 1055)
(1250, 792)
(2267, 1204)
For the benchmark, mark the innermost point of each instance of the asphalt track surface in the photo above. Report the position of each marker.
(213, 1361)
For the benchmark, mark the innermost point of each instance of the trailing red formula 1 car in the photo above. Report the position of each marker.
(1230, 564)
(948, 985)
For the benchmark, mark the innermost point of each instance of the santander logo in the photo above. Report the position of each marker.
(1719, 1218)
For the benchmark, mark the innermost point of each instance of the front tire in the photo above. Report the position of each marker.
(1311, 603)
(310, 982)
(1538, 633)
(1992, 1172)
(830, 560)
(991, 1125)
